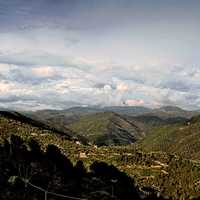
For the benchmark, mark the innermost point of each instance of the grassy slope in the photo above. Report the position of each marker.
(106, 128)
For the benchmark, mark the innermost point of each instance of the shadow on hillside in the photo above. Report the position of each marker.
(27, 173)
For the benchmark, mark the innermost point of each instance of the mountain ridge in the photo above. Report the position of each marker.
(106, 128)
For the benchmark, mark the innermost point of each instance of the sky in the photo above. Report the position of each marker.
(55, 54)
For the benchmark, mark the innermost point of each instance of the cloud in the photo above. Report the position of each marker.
(43, 86)
(135, 102)
(37, 46)
(44, 71)
(122, 87)
(5, 87)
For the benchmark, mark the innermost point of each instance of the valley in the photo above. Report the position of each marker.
(156, 152)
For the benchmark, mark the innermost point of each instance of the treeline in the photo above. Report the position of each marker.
(25, 164)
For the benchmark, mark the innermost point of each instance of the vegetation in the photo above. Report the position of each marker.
(181, 139)
(154, 172)
(29, 173)
(106, 129)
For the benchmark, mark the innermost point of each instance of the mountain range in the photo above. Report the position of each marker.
(168, 129)
(111, 125)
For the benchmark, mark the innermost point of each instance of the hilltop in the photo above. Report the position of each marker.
(173, 111)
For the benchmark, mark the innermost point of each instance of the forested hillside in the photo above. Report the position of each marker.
(157, 174)
(180, 139)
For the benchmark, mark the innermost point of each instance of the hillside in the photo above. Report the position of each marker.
(28, 172)
(147, 122)
(152, 172)
(181, 139)
(102, 128)
(61, 118)
(106, 128)
(56, 118)
(16, 123)
(145, 117)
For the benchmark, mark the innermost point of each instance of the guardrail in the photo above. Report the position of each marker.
(46, 192)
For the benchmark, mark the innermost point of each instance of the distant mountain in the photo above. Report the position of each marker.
(147, 122)
(182, 139)
(56, 118)
(163, 112)
(84, 110)
(128, 110)
(61, 118)
(157, 121)
(106, 128)
(78, 111)
(172, 111)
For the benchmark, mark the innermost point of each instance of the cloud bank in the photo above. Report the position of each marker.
(50, 87)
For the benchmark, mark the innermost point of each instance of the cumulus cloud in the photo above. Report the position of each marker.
(59, 87)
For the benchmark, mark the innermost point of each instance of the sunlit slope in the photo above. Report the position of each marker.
(15, 123)
(183, 140)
